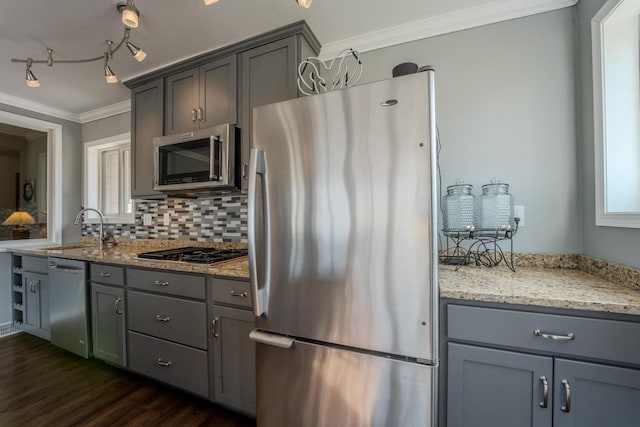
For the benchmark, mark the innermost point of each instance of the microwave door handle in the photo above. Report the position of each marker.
(221, 168)
(212, 158)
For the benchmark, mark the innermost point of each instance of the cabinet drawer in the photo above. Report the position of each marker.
(231, 292)
(107, 274)
(168, 318)
(595, 338)
(168, 362)
(185, 285)
(35, 264)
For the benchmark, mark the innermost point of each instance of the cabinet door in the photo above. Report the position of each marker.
(268, 75)
(146, 123)
(181, 108)
(234, 377)
(592, 395)
(488, 387)
(36, 302)
(108, 323)
(218, 89)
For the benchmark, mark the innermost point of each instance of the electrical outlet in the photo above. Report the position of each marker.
(147, 219)
(518, 212)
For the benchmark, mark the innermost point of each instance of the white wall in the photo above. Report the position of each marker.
(506, 107)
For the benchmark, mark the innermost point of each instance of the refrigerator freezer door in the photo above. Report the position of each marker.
(317, 386)
(345, 179)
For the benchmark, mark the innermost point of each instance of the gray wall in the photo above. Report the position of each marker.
(104, 128)
(506, 107)
(615, 244)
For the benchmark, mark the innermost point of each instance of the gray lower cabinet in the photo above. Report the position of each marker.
(147, 103)
(498, 387)
(594, 395)
(234, 370)
(108, 323)
(489, 387)
(36, 304)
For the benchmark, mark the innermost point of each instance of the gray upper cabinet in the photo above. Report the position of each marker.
(268, 75)
(147, 103)
(201, 97)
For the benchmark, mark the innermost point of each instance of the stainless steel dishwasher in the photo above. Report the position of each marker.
(68, 305)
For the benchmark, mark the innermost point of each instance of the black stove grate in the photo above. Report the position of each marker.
(195, 255)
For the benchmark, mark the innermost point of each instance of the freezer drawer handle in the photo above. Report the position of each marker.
(555, 337)
(162, 318)
(271, 339)
(160, 283)
(238, 294)
(163, 363)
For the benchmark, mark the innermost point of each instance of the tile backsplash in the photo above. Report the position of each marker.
(215, 219)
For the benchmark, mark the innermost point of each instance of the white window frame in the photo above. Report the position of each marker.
(54, 178)
(92, 178)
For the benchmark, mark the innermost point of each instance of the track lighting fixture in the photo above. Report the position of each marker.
(304, 3)
(32, 80)
(128, 20)
(130, 14)
(208, 2)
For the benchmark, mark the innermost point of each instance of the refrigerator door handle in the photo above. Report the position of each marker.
(271, 339)
(257, 166)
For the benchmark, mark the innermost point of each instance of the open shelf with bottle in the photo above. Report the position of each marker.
(479, 246)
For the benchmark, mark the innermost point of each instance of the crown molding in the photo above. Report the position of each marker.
(464, 19)
(103, 112)
(36, 107)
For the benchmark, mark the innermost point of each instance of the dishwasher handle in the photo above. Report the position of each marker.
(67, 269)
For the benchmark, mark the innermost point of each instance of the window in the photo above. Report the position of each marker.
(107, 179)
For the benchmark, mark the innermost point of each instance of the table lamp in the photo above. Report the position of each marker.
(19, 219)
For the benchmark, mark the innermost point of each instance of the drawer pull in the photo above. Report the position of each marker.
(160, 283)
(105, 274)
(214, 331)
(162, 318)
(238, 294)
(163, 363)
(545, 392)
(555, 337)
(115, 306)
(566, 404)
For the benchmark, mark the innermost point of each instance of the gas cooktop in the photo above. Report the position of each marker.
(194, 255)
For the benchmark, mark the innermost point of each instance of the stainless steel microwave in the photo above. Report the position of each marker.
(205, 160)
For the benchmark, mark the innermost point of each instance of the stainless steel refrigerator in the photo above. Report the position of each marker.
(343, 257)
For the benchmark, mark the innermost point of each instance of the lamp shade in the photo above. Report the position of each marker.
(19, 218)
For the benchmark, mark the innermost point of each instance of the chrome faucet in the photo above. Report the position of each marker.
(83, 210)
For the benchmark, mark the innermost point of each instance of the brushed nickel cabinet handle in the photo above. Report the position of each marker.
(214, 331)
(244, 171)
(162, 318)
(105, 274)
(160, 283)
(566, 404)
(238, 294)
(200, 114)
(115, 305)
(36, 286)
(555, 337)
(545, 392)
(194, 115)
(161, 362)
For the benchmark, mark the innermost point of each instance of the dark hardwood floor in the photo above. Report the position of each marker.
(42, 385)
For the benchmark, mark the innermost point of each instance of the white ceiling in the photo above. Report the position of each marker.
(172, 30)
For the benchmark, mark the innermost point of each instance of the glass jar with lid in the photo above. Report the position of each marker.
(495, 208)
(458, 209)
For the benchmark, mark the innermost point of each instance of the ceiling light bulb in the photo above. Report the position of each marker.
(130, 15)
(304, 3)
(137, 53)
(109, 75)
(31, 79)
(208, 2)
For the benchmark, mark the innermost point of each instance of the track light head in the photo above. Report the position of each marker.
(109, 75)
(137, 53)
(304, 3)
(30, 78)
(208, 2)
(130, 14)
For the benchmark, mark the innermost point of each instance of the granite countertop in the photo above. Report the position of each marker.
(127, 254)
(537, 286)
(569, 287)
